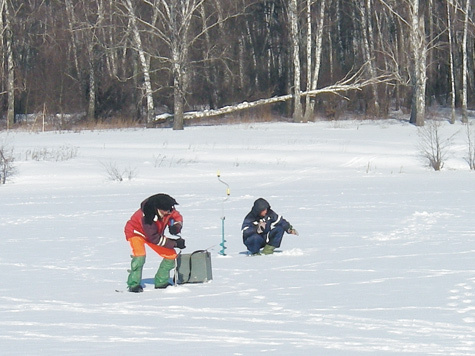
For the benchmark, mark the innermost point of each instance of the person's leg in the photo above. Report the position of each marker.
(275, 236)
(168, 263)
(254, 243)
(163, 273)
(136, 266)
(275, 239)
(163, 251)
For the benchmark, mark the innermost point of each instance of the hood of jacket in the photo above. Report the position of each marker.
(260, 205)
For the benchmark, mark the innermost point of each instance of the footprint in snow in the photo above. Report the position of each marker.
(462, 300)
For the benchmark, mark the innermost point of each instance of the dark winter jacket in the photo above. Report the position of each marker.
(147, 223)
(271, 219)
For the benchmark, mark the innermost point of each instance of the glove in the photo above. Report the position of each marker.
(175, 229)
(180, 243)
(292, 231)
(261, 226)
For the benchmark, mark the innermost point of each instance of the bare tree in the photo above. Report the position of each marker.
(465, 62)
(471, 146)
(294, 40)
(434, 147)
(451, 61)
(74, 37)
(313, 71)
(6, 163)
(7, 31)
(418, 49)
(179, 20)
(368, 44)
(419, 52)
(143, 57)
(104, 56)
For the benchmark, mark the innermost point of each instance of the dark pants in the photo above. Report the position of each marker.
(256, 241)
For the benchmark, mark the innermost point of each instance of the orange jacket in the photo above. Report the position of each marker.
(153, 233)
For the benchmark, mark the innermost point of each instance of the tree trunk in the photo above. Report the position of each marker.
(419, 50)
(10, 67)
(465, 64)
(178, 48)
(354, 82)
(294, 40)
(143, 61)
(178, 98)
(178, 103)
(308, 114)
(91, 107)
(310, 100)
(253, 56)
(74, 40)
(210, 69)
(368, 40)
(451, 62)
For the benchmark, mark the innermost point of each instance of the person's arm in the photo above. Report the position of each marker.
(278, 220)
(288, 228)
(154, 236)
(249, 226)
(175, 223)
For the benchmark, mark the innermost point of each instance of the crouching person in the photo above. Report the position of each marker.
(264, 228)
(147, 227)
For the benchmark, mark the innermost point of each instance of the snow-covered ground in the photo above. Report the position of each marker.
(384, 264)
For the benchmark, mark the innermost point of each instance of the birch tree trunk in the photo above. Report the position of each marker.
(10, 67)
(451, 62)
(380, 17)
(74, 40)
(144, 61)
(419, 51)
(313, 79)
(178, 93)
(368, 40)
(180, 20)
(91, 107)
(294, 40)
(241, 57)
(106, 15)
(210, 69)
(253, 55)
(353, 82)
(2, 50)
(465, 63)
(307, 114)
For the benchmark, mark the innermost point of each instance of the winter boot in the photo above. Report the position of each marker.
(163, 274)
(268, 250)
(135, 274)
(136, 289)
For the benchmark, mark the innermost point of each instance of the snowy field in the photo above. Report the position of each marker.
(384, 264)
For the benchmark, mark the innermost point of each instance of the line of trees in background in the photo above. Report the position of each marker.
(142, 58)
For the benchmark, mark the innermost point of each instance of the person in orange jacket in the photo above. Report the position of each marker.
(147, 227)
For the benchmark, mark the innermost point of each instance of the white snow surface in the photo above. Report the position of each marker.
(384, 263)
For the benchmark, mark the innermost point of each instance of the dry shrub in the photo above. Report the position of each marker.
(434, 147)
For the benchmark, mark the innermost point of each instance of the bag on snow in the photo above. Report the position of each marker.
(193, 267)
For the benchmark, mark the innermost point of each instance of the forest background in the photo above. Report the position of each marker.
(158, 61)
